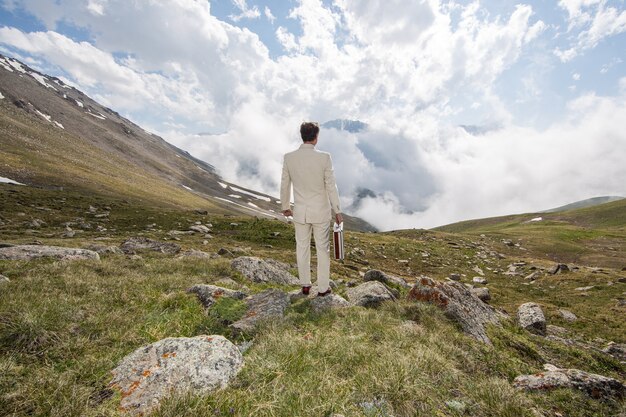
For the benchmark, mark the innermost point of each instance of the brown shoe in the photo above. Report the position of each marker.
(306, 290)
(322, 294)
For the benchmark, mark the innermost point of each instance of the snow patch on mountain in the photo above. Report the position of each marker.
(5, 180)
(45, 116)
(257, 196)
(42, 80)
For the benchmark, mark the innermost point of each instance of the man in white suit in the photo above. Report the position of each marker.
(315, 194)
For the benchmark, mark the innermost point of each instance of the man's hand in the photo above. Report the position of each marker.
(287, 213)
(338, 218)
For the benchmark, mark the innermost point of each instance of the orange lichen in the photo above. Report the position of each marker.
(130, 390)
(169, 355)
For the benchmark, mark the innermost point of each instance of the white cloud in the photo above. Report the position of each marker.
(246, 12)
(268, 14)
(594, 20)
(576, 76)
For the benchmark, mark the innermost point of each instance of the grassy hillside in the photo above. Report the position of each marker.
(593, 235)
(65, 325)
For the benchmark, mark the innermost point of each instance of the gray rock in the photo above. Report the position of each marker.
(137, 244)
(225, 252)
(268, 304)
(455, 277)
(530, 317)
(584, 288)
(192, 253)
(597, 386)
(532, 276)
(478, 270)
(328, 302)
(369, 294)
(459, 304)
(568, 315)
(4, 280)
(482, 293)
(200, 228)
(259, 270)
(479, 280)
(208, 294)
(558, 268)
(196, 365)
(376, 275)
(617, 350)
(28, 252)
(180, 232)
(105, 250)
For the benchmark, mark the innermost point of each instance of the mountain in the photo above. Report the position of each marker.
(53, 135)
(352, 126)
(593, 235)
(590, 202)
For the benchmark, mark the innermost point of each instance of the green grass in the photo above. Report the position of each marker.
(65, 325)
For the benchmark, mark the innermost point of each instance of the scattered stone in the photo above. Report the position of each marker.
(568, 315)
(478, 271)
(457, 406)
(173, 233)
(508, 242)
(455, 277)
(135, 244)
(328, 302)
(225, 252)
(403, 261)
(530, 317)
(479, 280)
(234, 224)
(36, 223)
(201, 212)
(458, 303)
(259, 270)
(376, 275)
(622, 280)
(559, 268)
(585, 288)
(192, 253)
(209, 294)
(369, 294)
(29, 252)
(482, 293)
(199, 228)
(101, 215)
(195, 365)
(105, 250)
(135, 257)
(268, 304)
(617, 350)
(553, 330)
(597, 386)
(4, 280)
(533, 276)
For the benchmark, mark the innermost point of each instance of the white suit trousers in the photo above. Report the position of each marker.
(321, 233)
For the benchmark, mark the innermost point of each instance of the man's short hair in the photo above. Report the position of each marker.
(309, 131)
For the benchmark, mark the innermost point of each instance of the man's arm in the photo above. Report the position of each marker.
(331, 189)
(285, 190)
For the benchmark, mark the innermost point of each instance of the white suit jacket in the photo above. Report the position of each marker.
(315, 192)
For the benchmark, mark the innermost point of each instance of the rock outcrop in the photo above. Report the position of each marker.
(530, 317)
(597, 386)
(151, 373)
(458, 303)
(369, 294)
(261, 270)
(328, 302)
(29, 252)
(376, 275)
(139, 244)
(209, 294)
(270, 303)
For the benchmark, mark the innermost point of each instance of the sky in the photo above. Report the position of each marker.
(474, 108)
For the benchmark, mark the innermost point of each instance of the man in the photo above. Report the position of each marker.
(315, 194)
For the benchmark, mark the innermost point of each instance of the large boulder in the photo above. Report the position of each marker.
(209, 294)
(268, 304)
(597, 386)
(617, 350)
(369, 294)
(328, 302)
(376, 275)
(197, 365)
(139, 244)
(458, 303)
(530, 317)
(262, 270)
(28, 252)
